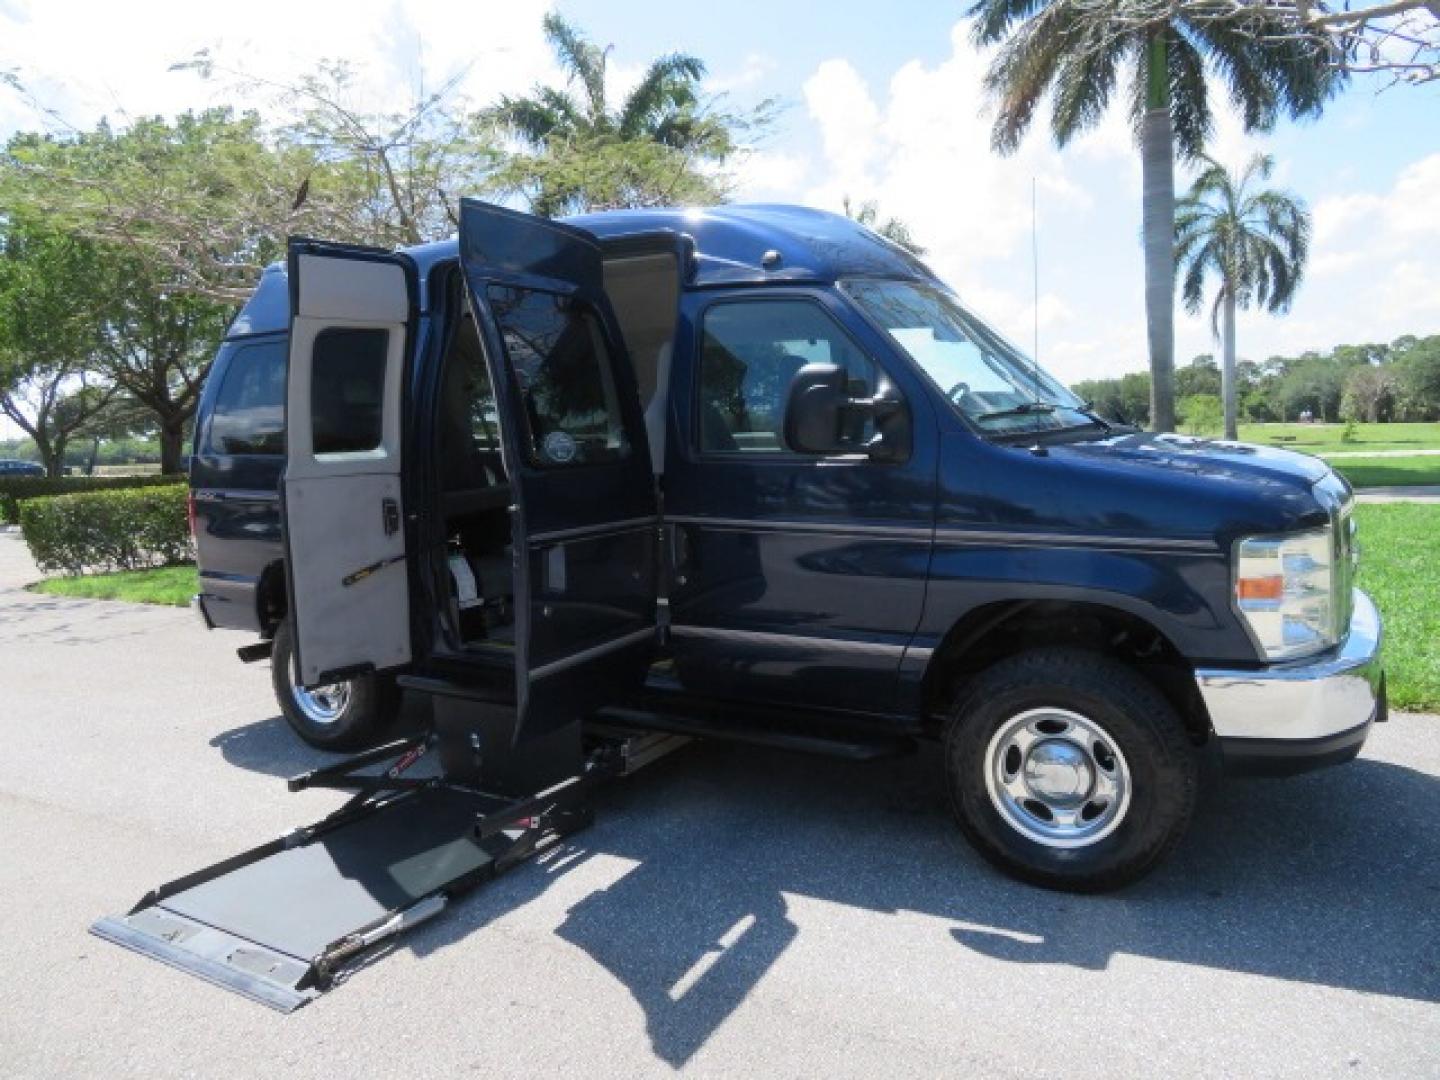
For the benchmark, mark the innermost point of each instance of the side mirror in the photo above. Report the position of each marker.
(821, 417)
(813, 409)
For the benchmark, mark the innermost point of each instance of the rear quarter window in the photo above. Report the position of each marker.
(249, 412)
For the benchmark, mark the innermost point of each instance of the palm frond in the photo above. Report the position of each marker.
(582, 59)
(1084, 80)
(1189, 96)
(995, 19)
(669, 84)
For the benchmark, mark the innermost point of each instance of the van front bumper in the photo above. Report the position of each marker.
(1289, 718)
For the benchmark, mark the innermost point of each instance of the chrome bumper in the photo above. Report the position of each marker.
(1320, 708)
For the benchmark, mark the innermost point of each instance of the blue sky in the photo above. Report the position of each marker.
(881, 102)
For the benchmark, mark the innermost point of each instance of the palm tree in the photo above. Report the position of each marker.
(1254, 240)
(1077, 51)
(577, 131)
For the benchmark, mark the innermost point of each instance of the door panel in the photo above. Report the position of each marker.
(343, 504)
(575, 447)
(798, 579)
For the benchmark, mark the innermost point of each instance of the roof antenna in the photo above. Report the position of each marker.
(1035, 291)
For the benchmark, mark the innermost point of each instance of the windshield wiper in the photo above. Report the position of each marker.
(1024, 408)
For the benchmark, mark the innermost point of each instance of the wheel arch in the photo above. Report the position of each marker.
(993, 631)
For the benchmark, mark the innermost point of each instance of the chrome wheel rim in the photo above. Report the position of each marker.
(1057, 778)
(322, 705)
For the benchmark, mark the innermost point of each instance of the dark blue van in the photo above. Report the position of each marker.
(755, 473)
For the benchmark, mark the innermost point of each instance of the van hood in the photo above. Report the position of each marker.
(1214, 458)
(1236, 486)
(1144, 486)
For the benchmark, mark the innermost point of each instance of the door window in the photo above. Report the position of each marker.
(347, 391)
(249, 413)
(566, 378)
(749, 353)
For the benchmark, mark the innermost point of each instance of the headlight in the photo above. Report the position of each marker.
(1285, 589)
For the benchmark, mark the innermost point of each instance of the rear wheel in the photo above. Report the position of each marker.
(339, 716)
(1069, 770)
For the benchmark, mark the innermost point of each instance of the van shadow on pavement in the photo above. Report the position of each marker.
(1332, 878)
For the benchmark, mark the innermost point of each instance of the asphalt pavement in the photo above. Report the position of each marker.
(732, 912)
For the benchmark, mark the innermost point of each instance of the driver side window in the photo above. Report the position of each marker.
(749, 353)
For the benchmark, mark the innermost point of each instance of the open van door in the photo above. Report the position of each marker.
(585, 523)
(352, 317)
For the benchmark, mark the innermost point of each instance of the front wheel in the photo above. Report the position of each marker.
(1069, 770)
(339, 716)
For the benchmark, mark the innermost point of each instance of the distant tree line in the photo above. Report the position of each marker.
(1372, 383)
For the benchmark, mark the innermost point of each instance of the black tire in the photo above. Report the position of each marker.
(368, 706)
(1162, 768)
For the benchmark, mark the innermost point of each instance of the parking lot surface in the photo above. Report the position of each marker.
(732, 912)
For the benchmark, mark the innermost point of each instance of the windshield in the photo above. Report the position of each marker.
(985, 377)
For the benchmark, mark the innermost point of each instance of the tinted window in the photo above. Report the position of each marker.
(564, 372)
(249, 413)
(749, 353)
(347, 390)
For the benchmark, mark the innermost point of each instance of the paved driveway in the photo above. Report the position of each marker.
(732, 912)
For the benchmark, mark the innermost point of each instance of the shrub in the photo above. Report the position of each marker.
(16, 489)
(107, 530)
(1202, 414)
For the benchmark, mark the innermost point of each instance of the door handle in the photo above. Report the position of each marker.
(390, 512)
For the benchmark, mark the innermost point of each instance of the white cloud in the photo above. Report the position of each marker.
(925, 155)
(752, 73)
(108, 68)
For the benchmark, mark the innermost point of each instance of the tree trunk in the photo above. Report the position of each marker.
(172, 445)
(54, 457)
(1157, 166)
(1227, 370)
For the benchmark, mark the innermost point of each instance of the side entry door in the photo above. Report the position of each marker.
(585, 519)
(352, 315)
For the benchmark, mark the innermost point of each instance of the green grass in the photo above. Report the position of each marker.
(173, 585)
(1388, 472)
(1325, 438)
(1400, 569)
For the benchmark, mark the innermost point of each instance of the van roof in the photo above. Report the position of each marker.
(731, 243)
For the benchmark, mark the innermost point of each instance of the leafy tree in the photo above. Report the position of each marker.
(157, 347)
(389, 178)
(661, 145)
(1077, 50)
(48, 337)
(1254, 242)
(1200, 376)
(1201, 414)
(1315, 383)
(1126, 399)
(892, 228)
(204, 199)
(1418, 362)
(1371, 393)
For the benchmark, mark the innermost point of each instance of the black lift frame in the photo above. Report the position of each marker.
(262, 923)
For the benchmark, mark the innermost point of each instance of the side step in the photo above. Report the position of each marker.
(761, 730)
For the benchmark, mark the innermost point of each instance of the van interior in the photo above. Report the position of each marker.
(475, 567)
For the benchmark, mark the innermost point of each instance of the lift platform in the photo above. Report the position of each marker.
(282, 922)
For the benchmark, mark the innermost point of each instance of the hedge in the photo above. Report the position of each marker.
(16, 489)
(107, 530)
